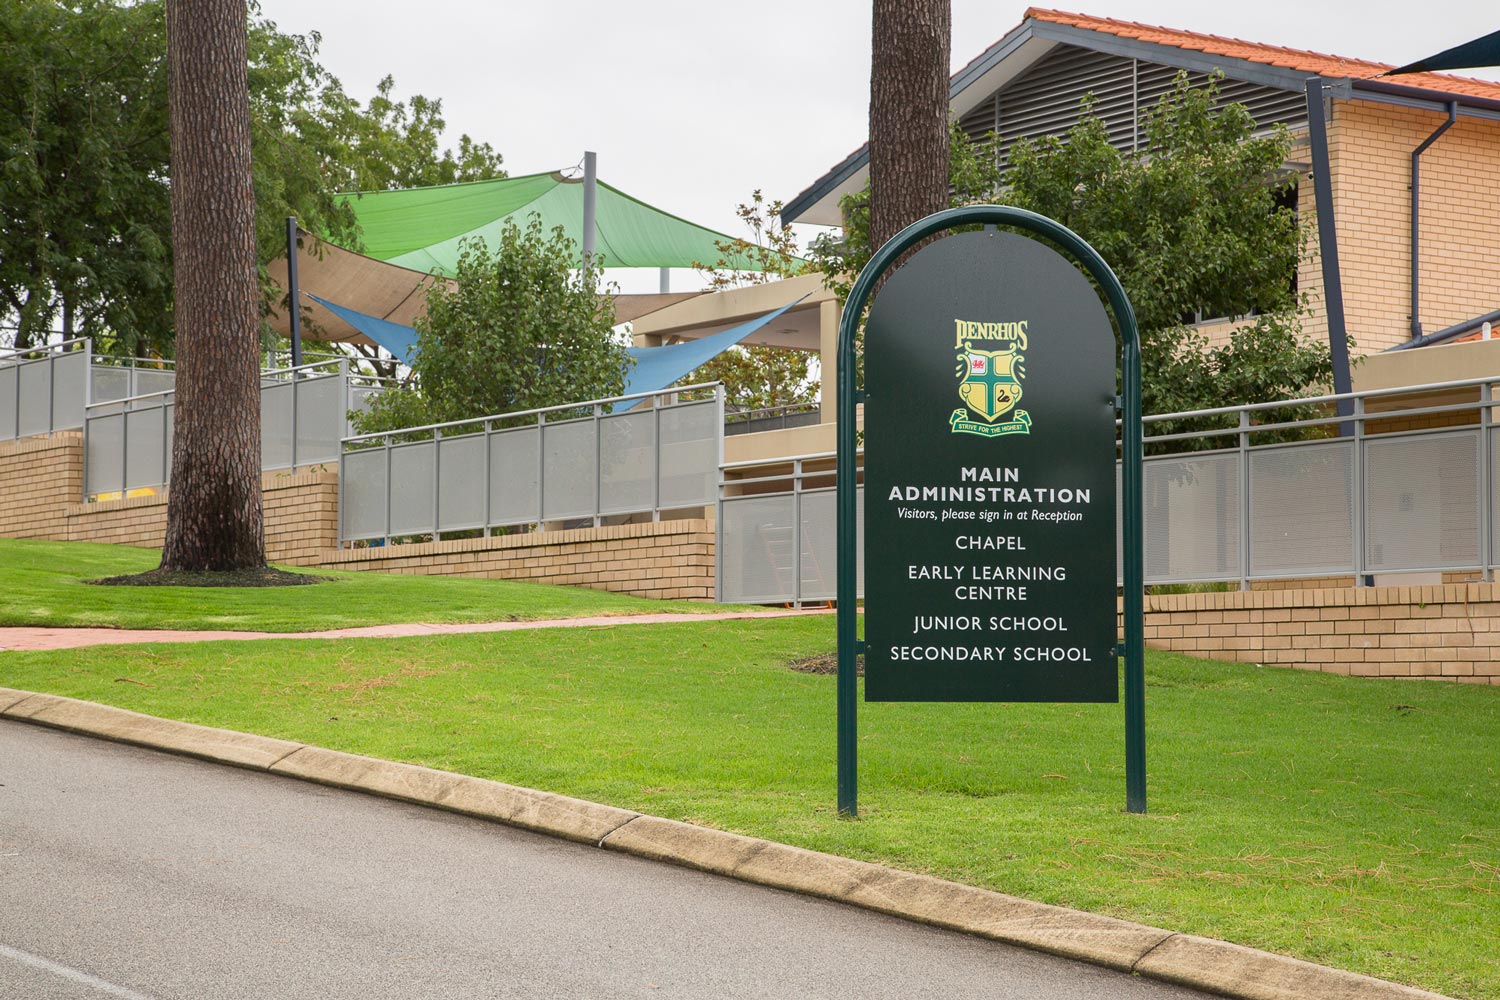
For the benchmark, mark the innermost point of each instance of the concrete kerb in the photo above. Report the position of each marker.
(222, 746)
(1200, 963)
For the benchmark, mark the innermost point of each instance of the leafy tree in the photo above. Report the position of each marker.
(772, 246)
(392, 144)
(85, 242)
(1195, 225)
(522, 328)
(756, 376)
(84, 218)
(973, 179)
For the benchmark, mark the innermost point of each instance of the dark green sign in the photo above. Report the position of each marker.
(990, 394)
(989, 504)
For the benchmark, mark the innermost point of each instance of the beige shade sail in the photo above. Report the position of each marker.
(388, 291)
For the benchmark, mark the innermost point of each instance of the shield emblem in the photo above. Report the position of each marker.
(991, 386)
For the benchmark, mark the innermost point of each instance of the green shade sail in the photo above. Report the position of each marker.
(420, 228)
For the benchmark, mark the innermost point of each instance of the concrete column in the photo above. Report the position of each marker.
(828, 353)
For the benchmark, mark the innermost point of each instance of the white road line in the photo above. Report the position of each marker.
(66, 972)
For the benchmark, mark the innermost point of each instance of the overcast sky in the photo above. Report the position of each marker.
(693, 105)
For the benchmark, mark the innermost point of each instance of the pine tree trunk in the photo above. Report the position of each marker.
(908, 114)
(214, 506)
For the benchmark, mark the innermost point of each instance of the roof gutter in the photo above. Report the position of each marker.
(1416, 97)
(1448, 333)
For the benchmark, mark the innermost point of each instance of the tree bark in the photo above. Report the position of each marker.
(214, 517)
(908, 113)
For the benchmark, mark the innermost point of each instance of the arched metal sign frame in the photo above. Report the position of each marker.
(1133, 648)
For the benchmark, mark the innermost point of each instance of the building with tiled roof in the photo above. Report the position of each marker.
(1031, 83)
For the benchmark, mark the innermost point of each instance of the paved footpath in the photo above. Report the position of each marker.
(138, 875)
(28, 638)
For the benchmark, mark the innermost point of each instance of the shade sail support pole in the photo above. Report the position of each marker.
(294, 306)
(590, 198)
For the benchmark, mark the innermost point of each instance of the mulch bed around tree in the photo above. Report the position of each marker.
(263, 577)
(828, 663)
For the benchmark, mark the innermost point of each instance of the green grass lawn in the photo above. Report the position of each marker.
(43, 583)
(1351, 822)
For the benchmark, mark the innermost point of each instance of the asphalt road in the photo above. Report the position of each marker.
(139, 875)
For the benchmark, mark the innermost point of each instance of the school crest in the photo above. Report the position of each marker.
(990, 387)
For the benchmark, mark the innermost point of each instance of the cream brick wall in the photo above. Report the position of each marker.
(39, 477)
(1370, 148)
(301, 518)
(1448, 632)
(671, 560)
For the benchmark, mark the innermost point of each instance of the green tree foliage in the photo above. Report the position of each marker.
(973, 179)
(758, 377)
(1194, 225)
(522, 328)
(84, 220)
(755, 376)
(85, 240)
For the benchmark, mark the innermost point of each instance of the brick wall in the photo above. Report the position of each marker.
(666, 559)
(39, 477)
(1449, 632)
(301, 518)
(1370, 148)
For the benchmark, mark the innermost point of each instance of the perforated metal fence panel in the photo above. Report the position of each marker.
(108, 383)
(145, 447)
(756, 550)
(1119, 526)
(10, 377)
(360, 398)
(103, 461)
(819, 544)
(276, 401)
(1494, 497)
(569, 470)
(461, 482)
(321, 412)
(70, 387)
(1302, 509)
(362, 501)
(1422, 501)
(150, 380)
(515, 471)
(627, 462)
(760, 539)
(1192, 510)
(35, 416)
(412, 468)
(690, 436)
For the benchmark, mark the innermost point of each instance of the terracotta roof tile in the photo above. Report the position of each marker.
(1271, 55)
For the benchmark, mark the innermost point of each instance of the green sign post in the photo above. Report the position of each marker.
(990, 406)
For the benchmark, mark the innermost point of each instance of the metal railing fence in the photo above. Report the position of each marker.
(1393, 489)
(114, 378)
(576, 462)
(304, 415)
(43, 389)
(1392, 486)
(772, 418)
(777, 532)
